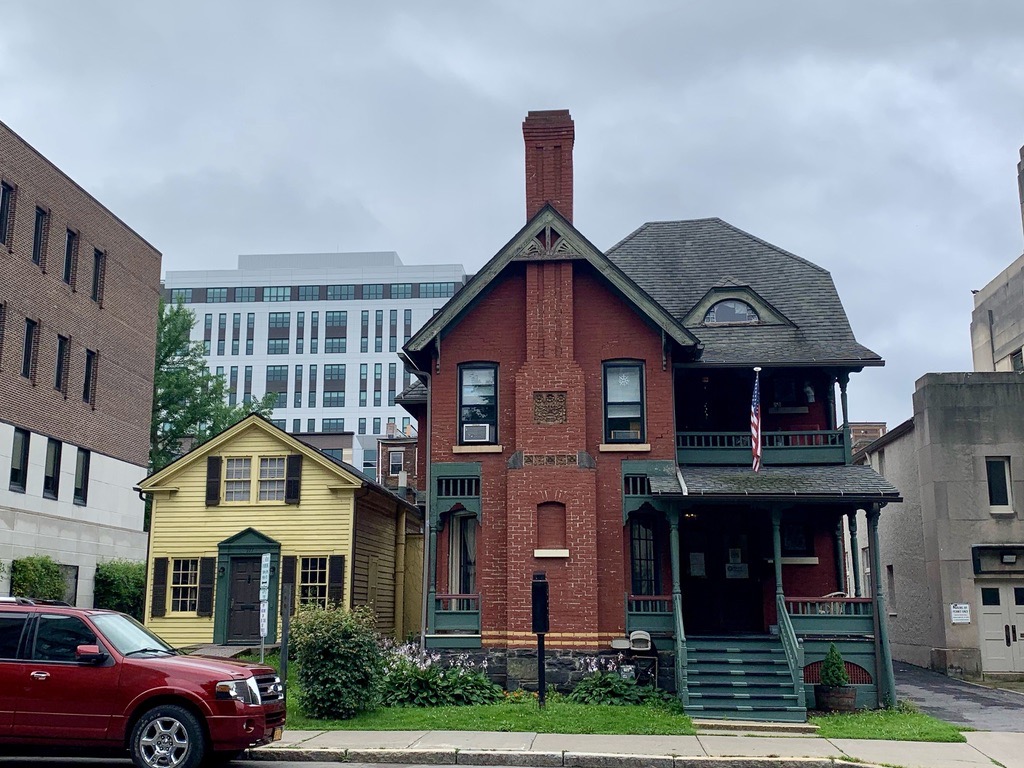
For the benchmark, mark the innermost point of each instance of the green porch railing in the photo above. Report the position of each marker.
(831, 615)
(651, 613)
(457, 613)
(796, 447)
(793, 648)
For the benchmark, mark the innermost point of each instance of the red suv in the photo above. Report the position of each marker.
(79, 678)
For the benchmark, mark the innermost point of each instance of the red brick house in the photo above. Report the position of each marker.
(587, 414)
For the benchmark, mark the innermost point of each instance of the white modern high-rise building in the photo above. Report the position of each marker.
(322, 330)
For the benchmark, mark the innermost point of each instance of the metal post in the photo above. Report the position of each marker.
(542, 683)
(541, 625)
(286, 623)
(889, 693)
(677, 607)
(851, 518)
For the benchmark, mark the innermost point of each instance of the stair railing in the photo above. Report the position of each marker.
(794, 649)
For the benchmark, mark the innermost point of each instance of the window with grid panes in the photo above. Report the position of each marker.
(312, 386)
(401, 290)
(313, 581)
(334, 345)
(362, 426)
(341, 292)
(314, 331)
(272, 478)
(184, 585)
(237, 479)
(436, 290)
(245, 294)
(334, 399)
(250, 331)
(277, 293)
(407, 322)
(376, 426)
(279, 319)
(373, 291)
(333, 425)
(216, 295)
(277, 346)
(181, 295)
(378, 337)
(364, 323)
(309, 293)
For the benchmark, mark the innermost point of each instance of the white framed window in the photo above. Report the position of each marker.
(396, 462)
(185, 585)
(997, 469)
(624, 402)
(313, 581)
(238, 479)
(272, 471)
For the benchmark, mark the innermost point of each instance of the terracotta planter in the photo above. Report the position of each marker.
(835, 699)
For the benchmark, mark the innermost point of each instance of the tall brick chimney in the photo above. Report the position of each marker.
(549, 136)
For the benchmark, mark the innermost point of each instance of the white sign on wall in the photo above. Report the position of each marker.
(960, 613)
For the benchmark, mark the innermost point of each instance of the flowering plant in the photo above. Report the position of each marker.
(417, 678)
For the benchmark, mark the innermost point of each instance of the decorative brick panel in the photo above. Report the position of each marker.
(549, 407)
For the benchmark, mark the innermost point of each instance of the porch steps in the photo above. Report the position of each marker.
(741, 678)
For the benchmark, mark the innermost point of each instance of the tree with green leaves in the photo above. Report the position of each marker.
(189, 401)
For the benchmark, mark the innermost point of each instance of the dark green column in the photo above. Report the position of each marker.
(888, 691)
(851, 518)
(432, 572)
(840, 560)
(777, 549)
(677, 606)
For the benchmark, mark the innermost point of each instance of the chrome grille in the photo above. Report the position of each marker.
(270, 688)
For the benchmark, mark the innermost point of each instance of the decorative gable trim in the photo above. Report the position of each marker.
(767, 313)
(537, 241)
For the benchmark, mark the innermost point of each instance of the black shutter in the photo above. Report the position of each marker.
(336, 579)
(288, 580)
(293, 478)
(158, 602)
(213, 480)
(206, 571)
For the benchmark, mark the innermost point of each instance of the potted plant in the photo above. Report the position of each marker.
(834, 693)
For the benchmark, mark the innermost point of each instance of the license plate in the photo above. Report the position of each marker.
(277, 734)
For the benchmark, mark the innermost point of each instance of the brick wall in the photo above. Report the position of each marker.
(122, 329)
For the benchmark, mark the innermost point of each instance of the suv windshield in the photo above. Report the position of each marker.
(127, 635)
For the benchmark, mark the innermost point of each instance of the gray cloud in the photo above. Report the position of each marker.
(877, 139)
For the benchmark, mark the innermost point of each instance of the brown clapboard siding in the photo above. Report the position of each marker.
(374, 550)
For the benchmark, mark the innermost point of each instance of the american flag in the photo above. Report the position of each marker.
(755, 421)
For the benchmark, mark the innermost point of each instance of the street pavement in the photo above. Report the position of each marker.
(986, 709)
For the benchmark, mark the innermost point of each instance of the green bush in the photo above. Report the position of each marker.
(833, 670)
(121, 586)
(414, 678)
(340, 661)
(37, 576)
(613, 688)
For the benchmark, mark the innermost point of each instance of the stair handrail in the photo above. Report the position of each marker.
(794, 649)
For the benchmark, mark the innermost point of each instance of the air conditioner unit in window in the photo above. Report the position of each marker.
(476, 433)
(626, 435)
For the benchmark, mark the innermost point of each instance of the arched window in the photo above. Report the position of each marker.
(731, 311)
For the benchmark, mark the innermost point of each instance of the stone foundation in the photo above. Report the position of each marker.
(515, 669)
(957, 662)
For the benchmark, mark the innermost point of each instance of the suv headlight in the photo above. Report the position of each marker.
(245, 691)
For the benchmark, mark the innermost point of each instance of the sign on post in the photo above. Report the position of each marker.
(265, 570)
(264, 601)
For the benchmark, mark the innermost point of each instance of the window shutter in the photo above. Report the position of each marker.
(213, 480)
(158, 602)
(288, 563)
(336, 579)
(293, 478)
(206, 577)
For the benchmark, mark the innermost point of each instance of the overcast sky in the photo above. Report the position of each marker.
(876, 139)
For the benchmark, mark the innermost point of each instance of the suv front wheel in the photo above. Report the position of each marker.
(167, 736)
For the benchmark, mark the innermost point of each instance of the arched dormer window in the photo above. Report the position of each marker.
(731, 311)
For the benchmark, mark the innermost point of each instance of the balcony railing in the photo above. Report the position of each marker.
(831, 615)
(652, 613)
(797, 447)
(457, 613)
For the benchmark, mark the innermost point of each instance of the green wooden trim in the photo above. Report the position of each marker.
(648, 468)
(453, 641)
(768, 314)
(247, 543)
(461, 621)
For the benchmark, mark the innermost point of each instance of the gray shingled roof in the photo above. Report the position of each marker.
(838, 482)
(678, 262)
(416, 392)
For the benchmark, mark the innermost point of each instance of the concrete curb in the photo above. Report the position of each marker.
(496, 757)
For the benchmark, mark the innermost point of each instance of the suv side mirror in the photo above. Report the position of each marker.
(90, 654)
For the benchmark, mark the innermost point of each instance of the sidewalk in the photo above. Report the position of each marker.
(983, 748)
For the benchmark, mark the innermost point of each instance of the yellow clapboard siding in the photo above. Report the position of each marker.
(184, 527)
(374, 556)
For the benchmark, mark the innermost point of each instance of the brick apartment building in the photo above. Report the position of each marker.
(79, 292)
(590, 417)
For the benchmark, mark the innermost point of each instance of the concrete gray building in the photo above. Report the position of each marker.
(953, 551)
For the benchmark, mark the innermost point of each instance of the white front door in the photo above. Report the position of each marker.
(1002, 626)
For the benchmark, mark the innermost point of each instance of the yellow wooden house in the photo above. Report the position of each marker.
(333, 535)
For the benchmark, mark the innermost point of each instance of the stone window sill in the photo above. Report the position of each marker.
(551, 553)
(624, 447)
(477, 448)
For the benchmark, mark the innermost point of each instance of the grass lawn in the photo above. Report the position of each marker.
(557, 717)
(887, 724)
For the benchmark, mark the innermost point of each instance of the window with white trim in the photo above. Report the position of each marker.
(237, 478)
(624, 402)
(313, 581)
(272, 469)
(185, 585)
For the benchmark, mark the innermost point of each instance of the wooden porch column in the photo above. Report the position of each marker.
(851, 518)
(677, 606)
(887, 694)
(432, 571)
(777, 549)
(840, 560)
(844, 379)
